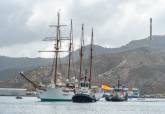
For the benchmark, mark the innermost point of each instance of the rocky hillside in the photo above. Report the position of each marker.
(157, 44)
(141, 68)
(9, 67)
(140, 64)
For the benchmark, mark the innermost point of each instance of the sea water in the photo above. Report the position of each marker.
(32, 105)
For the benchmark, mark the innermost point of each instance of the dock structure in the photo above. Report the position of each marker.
(12, 92)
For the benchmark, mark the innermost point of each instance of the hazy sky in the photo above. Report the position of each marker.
(24, 23)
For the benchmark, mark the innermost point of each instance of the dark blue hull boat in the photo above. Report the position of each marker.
(83, 98)
(116, 98)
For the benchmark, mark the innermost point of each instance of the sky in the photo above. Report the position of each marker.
(24, 23)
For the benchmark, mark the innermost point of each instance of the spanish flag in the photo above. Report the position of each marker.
(105, 87)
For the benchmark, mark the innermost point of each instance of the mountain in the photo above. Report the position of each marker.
(140, 68)
(9, 67)
(97, 50)
(140, 63)
(156, 43)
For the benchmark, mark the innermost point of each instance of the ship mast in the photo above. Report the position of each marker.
(91, 60)
(56, 47)
(57, 41)
(81, 52)
(70, 49)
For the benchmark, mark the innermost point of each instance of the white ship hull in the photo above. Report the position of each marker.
(55, 94)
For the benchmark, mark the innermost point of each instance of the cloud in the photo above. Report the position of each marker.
(22, 50)
(24, 23)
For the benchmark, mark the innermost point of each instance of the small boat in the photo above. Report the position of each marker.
(118, 94)
(18, 97)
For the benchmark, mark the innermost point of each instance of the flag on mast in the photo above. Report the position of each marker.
(105, 87)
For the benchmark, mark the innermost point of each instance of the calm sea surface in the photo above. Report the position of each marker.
(32, 105)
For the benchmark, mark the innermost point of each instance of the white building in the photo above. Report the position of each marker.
(133, 92)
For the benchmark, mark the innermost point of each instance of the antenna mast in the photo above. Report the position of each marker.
(150, 28)
(150, 38)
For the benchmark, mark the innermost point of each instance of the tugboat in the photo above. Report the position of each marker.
(85, 93)
(118, 94)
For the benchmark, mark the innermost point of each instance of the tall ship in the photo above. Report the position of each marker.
(57, 89)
